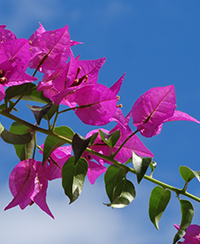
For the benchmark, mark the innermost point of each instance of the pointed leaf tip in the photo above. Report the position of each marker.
(120, 191)
(158, 202)
(188, 174)
(187, 212)
(110, 138)
(140, 165)
(40, 112)
(73, 177)
(79, 144)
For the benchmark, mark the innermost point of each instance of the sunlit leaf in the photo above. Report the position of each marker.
(158, 202)
(120, 191)
(51, 143)
(23, 151)
(188, 174)
(13, 138)
(111, 138)
(1, 128)
(187, 212)
(113, 175)
(28, 91)
(140, 165)
(73, 177)
(126, 194)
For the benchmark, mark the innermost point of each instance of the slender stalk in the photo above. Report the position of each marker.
(34, 127)
(35, 144)
(55, 119)
(41, 62)
(108, 158)
(146, 177)
(124, 143)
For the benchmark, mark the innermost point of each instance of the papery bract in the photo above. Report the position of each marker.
(97, 104)
(5, 34)
(40, 187)
(37, 33)
(133, 144)
(14, 60)
(80, 73)
(95, 169)
(155, 107)
(28, 184)
(53, 169)
(179, 115)
(13, 76)
(49, 49)
(21, 182)
(117, 85)
(17, 52)
(192, 235)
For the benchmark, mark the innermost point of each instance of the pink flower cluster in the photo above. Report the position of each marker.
(192, 235)
(73, 82)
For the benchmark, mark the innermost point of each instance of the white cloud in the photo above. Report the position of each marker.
(87, 221)
(27, 12)
(82, 220)
(111, 11)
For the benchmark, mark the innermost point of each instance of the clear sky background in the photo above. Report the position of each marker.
(157, 43)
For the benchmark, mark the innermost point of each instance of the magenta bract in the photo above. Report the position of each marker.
(28, 184)
(192, 235)
(52, 48)
(97, 104)
(155, 107)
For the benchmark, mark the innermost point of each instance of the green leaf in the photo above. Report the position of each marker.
(13, 138)
(1, 128)
(110, 139)
(140, 165)
(187, 212)
(126, 195)
(51, 143)
(40, 112)
(120, 191)
(93, 138)
(28, 91)
(23, 151)
(51, 112)
(2, 106)
(73, 177)
(113, 175)
(188, 174)
(128, 161)
(158, 202)
(79, 144)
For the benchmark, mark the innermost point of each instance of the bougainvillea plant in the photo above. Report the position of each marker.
(73, 83)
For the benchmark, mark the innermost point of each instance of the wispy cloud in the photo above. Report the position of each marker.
(18, 16)
(87, 221)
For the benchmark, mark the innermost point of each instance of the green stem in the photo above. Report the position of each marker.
(34, 127)
(146, 177)
(35, 145)
(124, 143)
(69, 109)
(19, 99)
(108, 158)
(41, 62)
(55, 119)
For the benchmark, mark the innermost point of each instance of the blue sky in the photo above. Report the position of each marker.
(157, 44)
